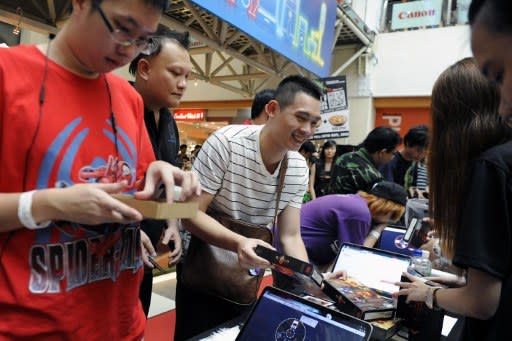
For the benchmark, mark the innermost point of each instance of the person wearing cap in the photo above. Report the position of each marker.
(328, 221)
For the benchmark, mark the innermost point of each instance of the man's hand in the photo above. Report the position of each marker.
(147, 249)
(161, 172)
(247, 257)
(172, 233)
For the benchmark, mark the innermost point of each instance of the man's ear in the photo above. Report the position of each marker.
(272, 108)
(143, 69)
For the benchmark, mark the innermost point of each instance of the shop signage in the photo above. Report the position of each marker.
(300, 30)
(190, 115)
(334, 109)
(416, 14)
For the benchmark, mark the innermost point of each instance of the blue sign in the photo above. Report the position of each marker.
(301, 30)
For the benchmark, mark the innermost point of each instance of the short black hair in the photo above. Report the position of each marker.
(381, 138)
(161, 5)
(308, 147)
(494, 14)
(162, 34)
(291, 85)
(260, 100)
(183, 146)
(417, 136)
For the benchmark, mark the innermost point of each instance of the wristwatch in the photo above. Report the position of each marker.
(430, 300)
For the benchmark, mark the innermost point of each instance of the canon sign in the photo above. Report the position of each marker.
(417, 14)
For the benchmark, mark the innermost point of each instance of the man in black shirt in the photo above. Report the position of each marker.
(415, 147)
(161, 80)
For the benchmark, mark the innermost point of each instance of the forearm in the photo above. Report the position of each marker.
(373, 236)
(478, 299)
(459, 301)
(41, 209)
(294, 246)
(211, 231)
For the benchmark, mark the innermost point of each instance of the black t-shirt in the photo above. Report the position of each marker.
(165, 140)
(396, 169)
(485, 242)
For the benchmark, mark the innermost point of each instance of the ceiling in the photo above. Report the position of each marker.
(221, 54)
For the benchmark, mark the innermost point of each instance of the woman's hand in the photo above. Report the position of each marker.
(416, 290)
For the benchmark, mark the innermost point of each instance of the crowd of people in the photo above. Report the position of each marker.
(75, 261)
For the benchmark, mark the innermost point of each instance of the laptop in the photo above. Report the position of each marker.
(280, 315)
(392, 239)
(374, 268)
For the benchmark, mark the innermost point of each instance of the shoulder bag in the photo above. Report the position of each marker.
(216, 271)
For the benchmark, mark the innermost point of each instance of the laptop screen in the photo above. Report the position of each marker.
(392, 239)
(372, 267)
(279, 315)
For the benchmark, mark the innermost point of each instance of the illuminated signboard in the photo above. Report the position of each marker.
(301, 30)
(416, 14)
(189, 115)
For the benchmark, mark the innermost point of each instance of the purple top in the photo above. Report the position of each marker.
(333, 218)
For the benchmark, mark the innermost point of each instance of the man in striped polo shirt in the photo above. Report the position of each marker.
(238, 167)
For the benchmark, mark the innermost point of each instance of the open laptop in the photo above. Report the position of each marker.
(282, 316)
(392, 239)
(374, 268)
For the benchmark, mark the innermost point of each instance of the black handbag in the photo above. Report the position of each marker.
(216, 271)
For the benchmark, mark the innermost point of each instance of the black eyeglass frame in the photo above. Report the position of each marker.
(146, 46)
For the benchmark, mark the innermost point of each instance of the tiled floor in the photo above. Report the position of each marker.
(164, 292)
(161, 317)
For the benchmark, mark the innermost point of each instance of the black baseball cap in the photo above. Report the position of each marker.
(390, 191)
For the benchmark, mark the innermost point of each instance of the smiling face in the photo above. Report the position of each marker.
(493, 53)
(91, 42)
(167, 75)
(295, 123)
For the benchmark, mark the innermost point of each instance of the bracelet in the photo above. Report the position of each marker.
(374, 234)
(25, 212)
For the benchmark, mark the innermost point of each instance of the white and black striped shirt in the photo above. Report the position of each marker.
(230, 167)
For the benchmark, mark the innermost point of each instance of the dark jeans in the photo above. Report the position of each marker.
(197, 312)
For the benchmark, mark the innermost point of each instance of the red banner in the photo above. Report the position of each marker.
(190, 115)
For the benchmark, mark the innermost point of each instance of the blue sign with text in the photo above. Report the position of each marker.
(301, 30)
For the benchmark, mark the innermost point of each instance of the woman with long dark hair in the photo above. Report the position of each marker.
(470, 200)
(321, 171)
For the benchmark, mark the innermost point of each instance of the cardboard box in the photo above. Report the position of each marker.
(354, 298)
(160, 209)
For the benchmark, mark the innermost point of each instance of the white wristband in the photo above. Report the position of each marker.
(374, 234)
(25, 212)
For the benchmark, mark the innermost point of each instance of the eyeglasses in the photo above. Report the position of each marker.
(146, 46)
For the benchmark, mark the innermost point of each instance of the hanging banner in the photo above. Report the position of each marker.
(334, 109)
(300, 30)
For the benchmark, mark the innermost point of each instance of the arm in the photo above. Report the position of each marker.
(479, 298)
(374, 235)
(172, 233)
(84, 203)
(91, 203)
(312, 175)
(289, 233)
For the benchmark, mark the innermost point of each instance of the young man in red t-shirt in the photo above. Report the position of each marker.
(71, 133)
